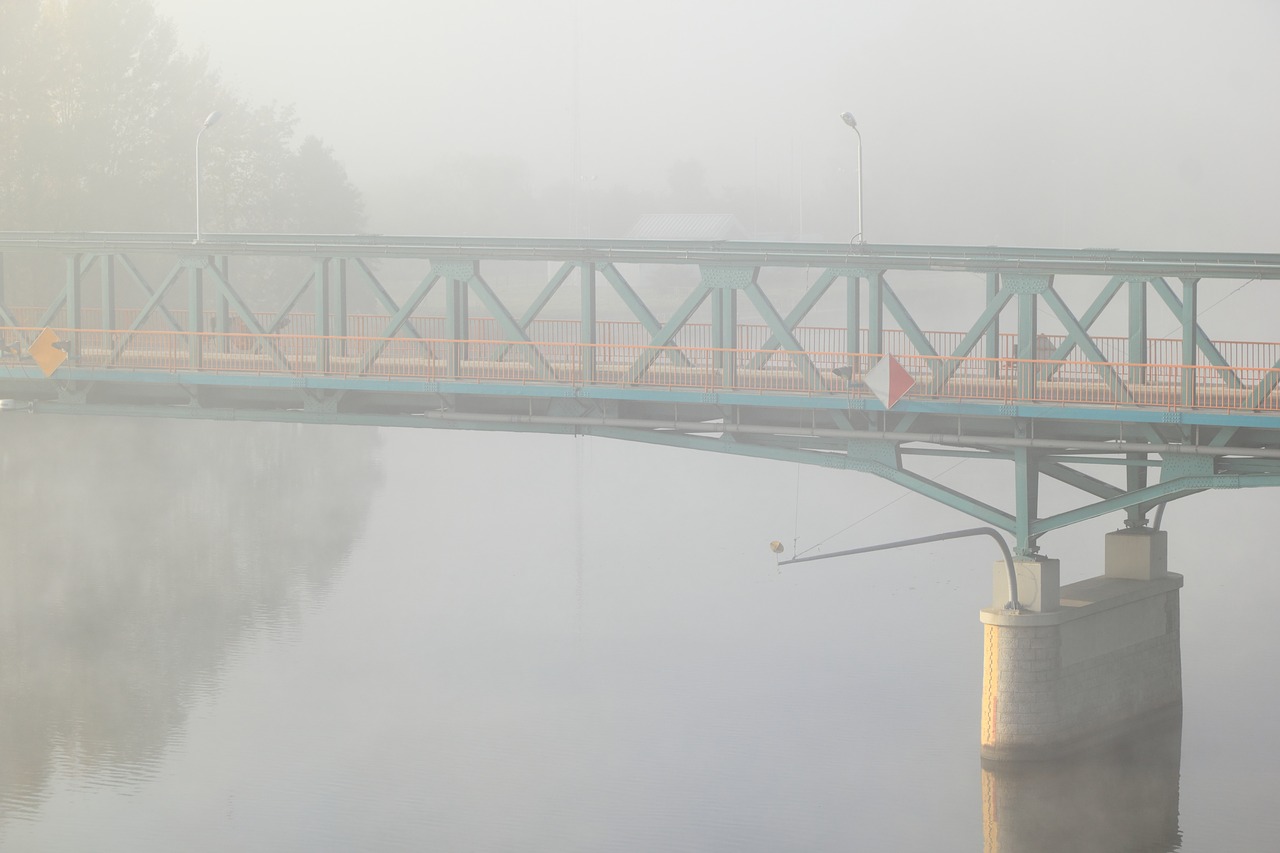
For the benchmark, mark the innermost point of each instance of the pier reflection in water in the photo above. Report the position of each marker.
(1116, 797)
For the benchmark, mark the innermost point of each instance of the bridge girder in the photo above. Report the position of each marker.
(237, 346)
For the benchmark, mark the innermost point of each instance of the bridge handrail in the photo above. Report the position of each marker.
(1004, 380)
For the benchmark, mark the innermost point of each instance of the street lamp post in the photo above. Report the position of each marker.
(849, 120)
(208, 123)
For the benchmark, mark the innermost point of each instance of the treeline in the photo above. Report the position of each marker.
(99, 111)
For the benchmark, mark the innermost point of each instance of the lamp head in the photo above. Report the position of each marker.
(849, 120)
(211, 120)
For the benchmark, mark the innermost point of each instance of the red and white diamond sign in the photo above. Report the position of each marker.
(889, 381)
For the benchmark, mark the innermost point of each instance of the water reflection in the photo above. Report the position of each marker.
(137, 554)
(1119, 796)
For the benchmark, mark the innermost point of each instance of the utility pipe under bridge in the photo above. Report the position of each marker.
(1039, 361)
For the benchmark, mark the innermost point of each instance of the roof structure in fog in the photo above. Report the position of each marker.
(687, 226)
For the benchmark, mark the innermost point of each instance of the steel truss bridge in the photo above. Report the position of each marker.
(746, 348)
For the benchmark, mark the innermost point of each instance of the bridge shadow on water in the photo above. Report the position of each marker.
(1119, 796)
(138, 556)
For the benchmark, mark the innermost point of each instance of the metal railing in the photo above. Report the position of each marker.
(625, 363)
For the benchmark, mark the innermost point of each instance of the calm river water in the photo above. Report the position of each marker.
(261, 637)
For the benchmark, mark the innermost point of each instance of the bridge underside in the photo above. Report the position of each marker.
(1076, 447)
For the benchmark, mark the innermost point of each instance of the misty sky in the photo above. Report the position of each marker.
(1104, 124)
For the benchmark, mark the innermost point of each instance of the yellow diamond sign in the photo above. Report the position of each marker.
(47, 356)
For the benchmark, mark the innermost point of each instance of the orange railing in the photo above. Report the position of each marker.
(621, 359)
(814, 339)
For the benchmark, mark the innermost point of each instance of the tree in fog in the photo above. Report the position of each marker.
(99, 110)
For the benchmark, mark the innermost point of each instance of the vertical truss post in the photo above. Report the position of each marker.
(587, 323)
(724, 333)
(724, 283)
(875, 310)
(340, 306)
(321, 283)
(1189, 341)
(1138, 333)
(222, 309)
(73, 302)
(6, 318)
(108, 273)
(1026, 476)
(1135, 479)
(853, 322)
(195, 312)
(459, 321)
(1026, 346)
(991, 340)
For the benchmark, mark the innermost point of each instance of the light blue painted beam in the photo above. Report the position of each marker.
(1027, 336)
(1137, 332)
(587, 320)
(638, 309)
(108, 293)
(141, 281)
(908, 325)
(321, 278)
(1135, 477)
(156, 296)
(991, 348)
(1155, 494)
(801, 309)
(513, 331)
(265, 344)
(277, 322)
(540, 302)
(1091, 352)
(5, 317)
(293, 416)
(1026, 493)
(794, 350)
(385, 300)
(935, 491)
(661, 341)
(978, 259)
(1189, 324)
(457, 315)
(875, 314)
(222, 310)
(1087, 319)
(1077, 479)
(1202, 340)
(853, 323)
(340, 310)
(987, 325)
(399, 320)
(73, 303)
(195, 317)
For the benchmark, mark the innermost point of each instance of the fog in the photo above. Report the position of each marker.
(474, 640)
(1102, 124)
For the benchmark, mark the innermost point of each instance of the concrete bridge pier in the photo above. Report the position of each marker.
(1085, 661)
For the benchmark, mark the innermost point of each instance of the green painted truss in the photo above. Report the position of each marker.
(1039, 360)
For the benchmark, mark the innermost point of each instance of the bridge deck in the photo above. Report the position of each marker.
(124, 355)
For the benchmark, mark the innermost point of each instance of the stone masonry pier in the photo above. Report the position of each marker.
(1084, 661)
